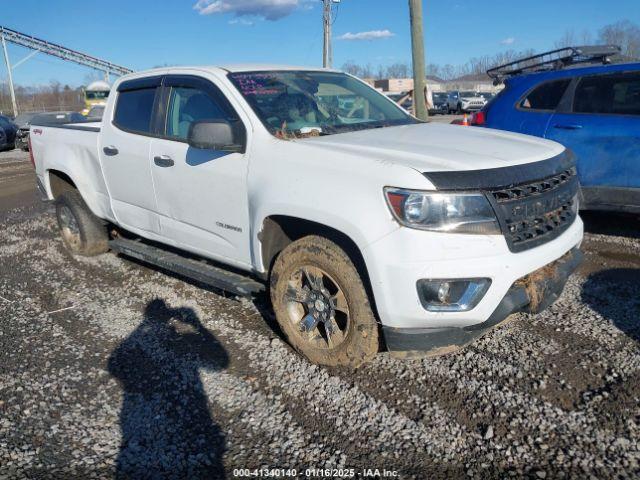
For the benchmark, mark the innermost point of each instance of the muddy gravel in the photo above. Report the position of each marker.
(109, 368)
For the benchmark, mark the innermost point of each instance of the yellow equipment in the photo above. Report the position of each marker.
(95, 94)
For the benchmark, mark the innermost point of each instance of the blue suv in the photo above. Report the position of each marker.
(592, 109)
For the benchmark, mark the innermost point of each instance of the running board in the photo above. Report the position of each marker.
(198, 270)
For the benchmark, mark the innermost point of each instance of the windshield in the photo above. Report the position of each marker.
(468, 94)
(440, 96)
(94, 95)
(299, 103)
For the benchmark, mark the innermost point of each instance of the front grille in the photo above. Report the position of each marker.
(534, 213)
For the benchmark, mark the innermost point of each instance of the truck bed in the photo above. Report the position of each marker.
(71, 147)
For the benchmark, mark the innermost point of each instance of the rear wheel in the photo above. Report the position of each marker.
(322, 305)
(82, 232)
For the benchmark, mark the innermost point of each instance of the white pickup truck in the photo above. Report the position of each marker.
(369, 228)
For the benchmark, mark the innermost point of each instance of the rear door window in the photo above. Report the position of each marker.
(134, 110)
(546, 96)
(617, 94)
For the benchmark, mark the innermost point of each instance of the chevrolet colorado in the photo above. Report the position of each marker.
(367, 227)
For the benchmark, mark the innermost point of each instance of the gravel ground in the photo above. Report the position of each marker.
(110, 368)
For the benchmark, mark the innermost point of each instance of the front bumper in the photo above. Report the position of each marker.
(532, 293)
(397, 261)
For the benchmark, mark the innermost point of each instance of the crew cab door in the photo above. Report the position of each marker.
(201, 194)
(124, 144)
(603, 128)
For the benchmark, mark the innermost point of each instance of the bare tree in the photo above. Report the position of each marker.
(568, 39)
(586, 37)
(366, 71)
(623, 33)
(399, 70)
(42, 98)
(433, 70)
(448, 72)
(351, 67)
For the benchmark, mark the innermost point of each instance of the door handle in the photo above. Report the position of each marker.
(569, 126)
(110, 151)
(163, 161)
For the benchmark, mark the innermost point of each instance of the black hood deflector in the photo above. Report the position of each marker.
(501, 177)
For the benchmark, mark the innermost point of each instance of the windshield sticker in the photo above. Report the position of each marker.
(258, 84)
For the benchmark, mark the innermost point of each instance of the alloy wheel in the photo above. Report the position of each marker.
(317, 307)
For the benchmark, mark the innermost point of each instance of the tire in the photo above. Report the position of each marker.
(341, 302)
(82, 232)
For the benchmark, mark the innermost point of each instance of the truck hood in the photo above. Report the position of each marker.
(432, 147)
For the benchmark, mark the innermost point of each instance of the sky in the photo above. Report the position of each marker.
(142, 34)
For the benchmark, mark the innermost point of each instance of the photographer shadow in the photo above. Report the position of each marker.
(613, 294)
(167, 428)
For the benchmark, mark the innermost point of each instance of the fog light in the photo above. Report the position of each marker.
(452, 295)
(443, 292)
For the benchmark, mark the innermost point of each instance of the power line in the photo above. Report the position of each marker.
(335, 14)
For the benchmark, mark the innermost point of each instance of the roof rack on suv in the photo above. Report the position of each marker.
(555, 60)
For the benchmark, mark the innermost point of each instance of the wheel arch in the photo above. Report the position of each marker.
(278, 231)
(59, 182)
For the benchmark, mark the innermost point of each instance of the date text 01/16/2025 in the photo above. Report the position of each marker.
(315, 473)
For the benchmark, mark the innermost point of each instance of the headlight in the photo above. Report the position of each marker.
(443, 212)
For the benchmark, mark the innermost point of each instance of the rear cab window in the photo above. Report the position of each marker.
(134, 110)
(546, 96)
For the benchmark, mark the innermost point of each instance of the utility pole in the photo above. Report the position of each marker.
(327, 53)
(13, 93)
(417, 49)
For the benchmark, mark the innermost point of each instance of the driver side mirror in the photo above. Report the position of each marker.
(217, 134)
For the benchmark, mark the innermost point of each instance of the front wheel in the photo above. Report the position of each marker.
(322, 305)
